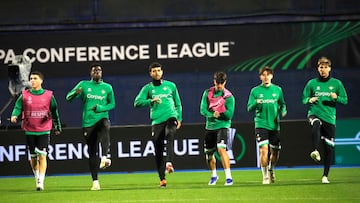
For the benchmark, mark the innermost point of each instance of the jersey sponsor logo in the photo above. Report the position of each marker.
(161, 96)
(268, 101)
(36, 114)
(91, 96)
(322, 94)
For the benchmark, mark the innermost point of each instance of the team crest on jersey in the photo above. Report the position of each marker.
(89, 89)
(102, 91)
(165, 88)
(331, 87)
(318, 88)
(153, 91)
(274, 95)
(261, 95)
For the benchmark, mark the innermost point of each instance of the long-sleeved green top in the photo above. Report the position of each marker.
(325, 107)
(97, 98)
(272, 106)
(18, 109)
(224, 121)
(170, 105)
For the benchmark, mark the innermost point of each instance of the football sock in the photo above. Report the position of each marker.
(36, 174)
(41, 177)
(213, 173)
(228, 173)
(264, 171)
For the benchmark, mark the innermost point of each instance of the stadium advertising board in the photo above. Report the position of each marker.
(347, 142)
(132, 149)
(184, 49)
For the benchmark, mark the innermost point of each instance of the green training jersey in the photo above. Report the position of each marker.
(224, 121)
(97, 98)
(271, 107)
(325, 107)
(170, 105)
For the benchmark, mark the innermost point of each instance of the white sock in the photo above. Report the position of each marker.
(41, 178)
(213, 173)
(228, 173)
(36, 174)
(264, 171)
(96, 182)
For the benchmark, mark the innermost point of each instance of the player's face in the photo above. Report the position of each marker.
(324, 70)
(35, 82)
(156, 73)
(96, 73)
(219, 86)
(266, 78)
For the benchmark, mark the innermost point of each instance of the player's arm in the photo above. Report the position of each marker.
(110, 102)
(142, 99)
(17, 110)
(282, 104)
(306, 96)
(252, 104)
(204, 110)
(55, 115)
(75, 92)
(230, 109)
(342, 97)
(178, 105)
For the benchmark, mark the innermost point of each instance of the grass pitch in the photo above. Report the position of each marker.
(292, 185)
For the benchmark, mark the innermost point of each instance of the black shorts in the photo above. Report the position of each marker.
(40, 142)
(327, 130)
(271, 137)
(159, 130)
(216, 139)
(93, 133)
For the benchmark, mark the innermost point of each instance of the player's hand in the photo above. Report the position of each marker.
(156, 100)
(79, 90)
(313, 100)
(13, 119)
(216, 114)
(258, 101)
(57, 132)
(178, 124)
(333, 95)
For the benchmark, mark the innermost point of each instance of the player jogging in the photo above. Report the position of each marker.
(321, 95)
(267, 101)
(164, 101)
(98, 99)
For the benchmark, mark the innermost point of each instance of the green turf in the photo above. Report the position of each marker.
(292, 185)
